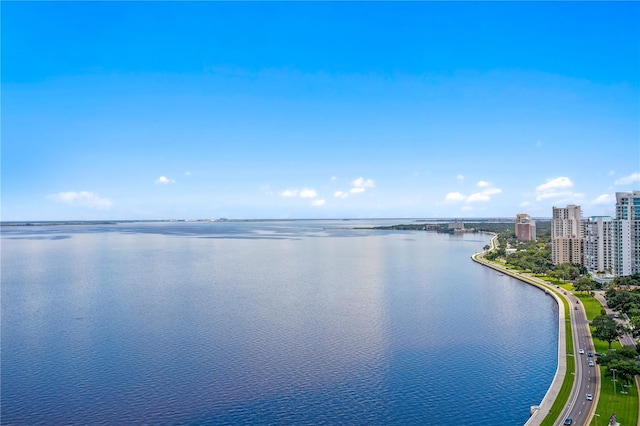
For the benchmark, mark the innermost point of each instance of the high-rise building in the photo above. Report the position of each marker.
(597, 244)
(626, 234)
(525, 227)
(567, 238)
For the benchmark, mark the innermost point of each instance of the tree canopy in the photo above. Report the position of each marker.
(606, 329)
(624, 361)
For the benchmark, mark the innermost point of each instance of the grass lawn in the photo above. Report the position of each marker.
(625, 406)
(591, 305)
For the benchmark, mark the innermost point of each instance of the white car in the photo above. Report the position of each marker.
(581, 351)
(589, 397)
(590, 363)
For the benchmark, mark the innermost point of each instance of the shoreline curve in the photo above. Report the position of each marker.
(539, 414)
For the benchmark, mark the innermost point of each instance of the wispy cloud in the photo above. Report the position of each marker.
(454, 196)
(317, 203)
(482, 196)
(358, 186)
(554, 188)
(308, 193)
(82, 199)
(604, 199)
(633, 177)
(302, 193)
(164, 180)
(363, 183)
(460, 177)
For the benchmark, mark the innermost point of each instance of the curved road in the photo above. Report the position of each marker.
(578, 408)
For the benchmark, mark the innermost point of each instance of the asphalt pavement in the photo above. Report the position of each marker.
(587, 378)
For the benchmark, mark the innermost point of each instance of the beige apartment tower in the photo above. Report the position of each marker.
(567, 238)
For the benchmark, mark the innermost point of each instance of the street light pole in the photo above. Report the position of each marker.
(614, 383)
(596, 415)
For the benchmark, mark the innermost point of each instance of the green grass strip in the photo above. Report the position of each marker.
(625, 406)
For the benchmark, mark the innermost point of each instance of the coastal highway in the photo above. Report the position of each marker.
(587, 378)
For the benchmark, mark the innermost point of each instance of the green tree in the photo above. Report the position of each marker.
(635, 324)
(567, 271)
(606, 329)
(585, 284)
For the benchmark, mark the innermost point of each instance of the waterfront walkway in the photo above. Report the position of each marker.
(538, 415)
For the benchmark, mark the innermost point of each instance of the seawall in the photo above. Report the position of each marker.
(538, 415)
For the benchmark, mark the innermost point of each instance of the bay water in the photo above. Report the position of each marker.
(265, 322)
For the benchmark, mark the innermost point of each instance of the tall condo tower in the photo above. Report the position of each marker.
(626, 234)
(598, 256)
(567, 238)
(525, 227)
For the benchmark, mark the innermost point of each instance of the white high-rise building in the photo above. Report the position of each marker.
(567, 238)
(597, 244)
(626, 234)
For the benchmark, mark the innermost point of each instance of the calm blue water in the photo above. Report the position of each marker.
(300, 322)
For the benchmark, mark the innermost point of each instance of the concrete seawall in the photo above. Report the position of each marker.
(538, 414)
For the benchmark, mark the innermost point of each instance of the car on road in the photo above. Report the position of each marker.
(589, 353)
(568, 421)
(581, 351)
(589, 397)
(590, 363)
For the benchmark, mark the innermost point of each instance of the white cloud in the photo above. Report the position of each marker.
(555, 183)
(604, 199)
(460, 177)
(478, 196)
(358, 186)
(82, 198)
(524, 204)
(491, 191)
(483, 184)
(308, 193)
(302, 193)
(333, 178)
(454, 196)
(363, 183)
(164, 180)
(316, 203)
(633, 177)
(482, 196)
(554, 188)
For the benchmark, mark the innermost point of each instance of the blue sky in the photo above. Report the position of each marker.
(163, 110)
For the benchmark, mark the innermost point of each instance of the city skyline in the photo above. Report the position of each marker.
(317, 110)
